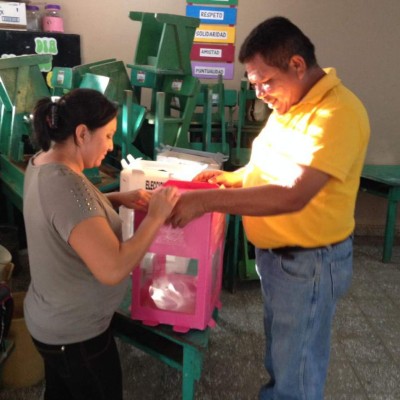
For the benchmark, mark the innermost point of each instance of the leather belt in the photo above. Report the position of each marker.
(287, 250)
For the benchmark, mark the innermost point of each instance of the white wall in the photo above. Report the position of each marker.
(359, 37)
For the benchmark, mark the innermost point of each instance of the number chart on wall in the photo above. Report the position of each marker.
(213, 51)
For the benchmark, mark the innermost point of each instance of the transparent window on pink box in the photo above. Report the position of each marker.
(170, 282)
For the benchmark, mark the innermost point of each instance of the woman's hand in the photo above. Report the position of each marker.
(108, 259)
(162, 202)
(137, 199)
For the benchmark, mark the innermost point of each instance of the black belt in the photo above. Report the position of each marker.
(287, 250)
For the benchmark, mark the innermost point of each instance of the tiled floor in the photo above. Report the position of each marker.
(365, 362)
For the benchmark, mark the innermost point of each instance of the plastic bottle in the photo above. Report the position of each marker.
(32, 18)
(52, 20)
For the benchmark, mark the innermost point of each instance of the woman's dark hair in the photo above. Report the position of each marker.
(277, 40)
(57, 121)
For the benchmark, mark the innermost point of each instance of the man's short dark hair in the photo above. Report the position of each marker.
(277, 40)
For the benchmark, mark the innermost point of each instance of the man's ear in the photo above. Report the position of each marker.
(81, 133)
(298, 64)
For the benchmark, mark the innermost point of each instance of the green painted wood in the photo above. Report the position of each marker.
(246, 129)
(182, 351)
(22, 85)
(384, 181)
(133, 116)
(12, 181)
(175, 104)
(79, 71)
(387, 174)
(165, 42)
(209, 125)
(240, 263)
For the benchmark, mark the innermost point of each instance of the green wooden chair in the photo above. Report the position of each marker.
(239, 262)
(133, 115)
(209, 126)
(63, 79)
(21, 85)
(163, 48)
(247, 129)
(169, 122)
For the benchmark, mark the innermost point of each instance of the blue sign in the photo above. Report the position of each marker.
(213, 15)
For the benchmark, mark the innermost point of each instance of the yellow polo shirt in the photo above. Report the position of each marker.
(328, 130)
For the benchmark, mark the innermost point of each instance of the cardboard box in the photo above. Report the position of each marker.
(12, 15)
(148, 174)
(189, 156)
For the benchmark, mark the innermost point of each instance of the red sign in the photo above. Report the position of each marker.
(213, 52)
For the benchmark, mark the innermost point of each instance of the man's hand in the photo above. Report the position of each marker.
(222, 178)
(188, 207)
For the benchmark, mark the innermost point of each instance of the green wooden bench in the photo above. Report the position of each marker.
(384, 181)
(183, 351)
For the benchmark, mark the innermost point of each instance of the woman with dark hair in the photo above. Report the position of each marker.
(78, 262)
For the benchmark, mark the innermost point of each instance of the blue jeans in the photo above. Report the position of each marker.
(88, 370)
(300, 290)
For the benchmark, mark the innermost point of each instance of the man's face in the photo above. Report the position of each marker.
(278, 89)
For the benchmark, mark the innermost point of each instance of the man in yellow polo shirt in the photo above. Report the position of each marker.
(297, 197)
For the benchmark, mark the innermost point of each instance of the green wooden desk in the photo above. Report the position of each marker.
(384, 181)
(183, 351)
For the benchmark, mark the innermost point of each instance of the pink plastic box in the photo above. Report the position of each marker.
(179, 280)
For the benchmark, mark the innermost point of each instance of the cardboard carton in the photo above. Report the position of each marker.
(12, 15)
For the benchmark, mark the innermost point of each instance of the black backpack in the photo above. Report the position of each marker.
(6, 313)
